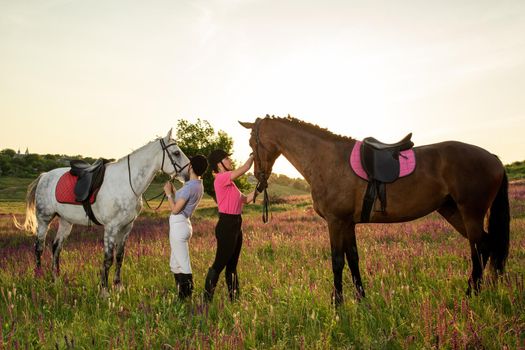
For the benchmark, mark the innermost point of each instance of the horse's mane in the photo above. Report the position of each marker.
(315, 129)
(136, 150)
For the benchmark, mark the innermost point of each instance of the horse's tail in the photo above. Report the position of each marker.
(30, 223)
(499, 227)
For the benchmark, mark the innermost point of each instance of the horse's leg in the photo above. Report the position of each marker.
(120, 244)
(353, 259)
(336, 229)
(64, 229)
(40, 242)
(109, 245)
(470, 225)
(479, 248)
(480, 252)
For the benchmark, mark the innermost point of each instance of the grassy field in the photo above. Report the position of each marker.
(414, 274)
(13, 189)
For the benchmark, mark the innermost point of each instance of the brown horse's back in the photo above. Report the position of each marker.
(467, 170)
(444, 171)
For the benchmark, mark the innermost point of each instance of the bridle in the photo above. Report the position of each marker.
(264, 182)
(176, 166)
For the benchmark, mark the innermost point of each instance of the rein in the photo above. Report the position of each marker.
(266, 198)
(266, 205)
(177, 167)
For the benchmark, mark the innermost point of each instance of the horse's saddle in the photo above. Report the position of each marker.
(90, 178)
(381, 160)
(381, 163)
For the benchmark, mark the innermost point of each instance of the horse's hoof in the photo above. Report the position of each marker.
(476, 289)
(337, 299)
(104, 294)
(55, 276)
(118, 287)
(39, 273)
(359, 293)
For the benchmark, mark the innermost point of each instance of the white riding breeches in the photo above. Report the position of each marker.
(180, 234)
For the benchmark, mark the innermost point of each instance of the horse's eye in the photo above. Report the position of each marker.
(177, 153)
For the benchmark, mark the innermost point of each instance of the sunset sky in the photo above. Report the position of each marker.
(102, 78)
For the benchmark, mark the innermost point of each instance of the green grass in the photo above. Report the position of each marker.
(13, 189)
(414, 274)
(277, 190)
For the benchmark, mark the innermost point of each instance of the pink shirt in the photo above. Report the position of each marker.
(229, 198)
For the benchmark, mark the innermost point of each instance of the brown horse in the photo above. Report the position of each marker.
(464, 183)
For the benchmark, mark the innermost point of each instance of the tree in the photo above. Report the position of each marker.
(200, 138)
(8, 152)
(31, 164)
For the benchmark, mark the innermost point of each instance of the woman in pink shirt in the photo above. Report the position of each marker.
(228, 231)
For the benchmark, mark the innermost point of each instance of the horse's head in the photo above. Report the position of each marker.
(174, 161)
(264, 148)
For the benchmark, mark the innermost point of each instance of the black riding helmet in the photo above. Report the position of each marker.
(199, 164)
(215, 157)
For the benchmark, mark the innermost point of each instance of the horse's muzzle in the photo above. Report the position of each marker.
(262, 182)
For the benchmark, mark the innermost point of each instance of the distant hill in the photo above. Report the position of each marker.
(516, 170)
(13, 189)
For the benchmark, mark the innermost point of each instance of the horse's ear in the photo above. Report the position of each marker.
(169, 134)
(247, 125)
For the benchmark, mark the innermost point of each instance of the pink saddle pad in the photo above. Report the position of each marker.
(407, 162)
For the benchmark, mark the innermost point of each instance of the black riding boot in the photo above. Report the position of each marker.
(178, 279)
(186, 286)
(232, 281)
(209, 284)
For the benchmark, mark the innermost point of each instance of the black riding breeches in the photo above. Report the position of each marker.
(229, 242)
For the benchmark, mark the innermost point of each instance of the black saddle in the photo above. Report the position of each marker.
(402, 145)
(381, 160)
(381, 163)
(80, 167)
(90, 178)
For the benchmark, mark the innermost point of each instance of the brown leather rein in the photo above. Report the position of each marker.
(263, 182)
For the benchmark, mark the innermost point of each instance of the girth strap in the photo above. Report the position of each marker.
(89, 212)
(374, 189)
